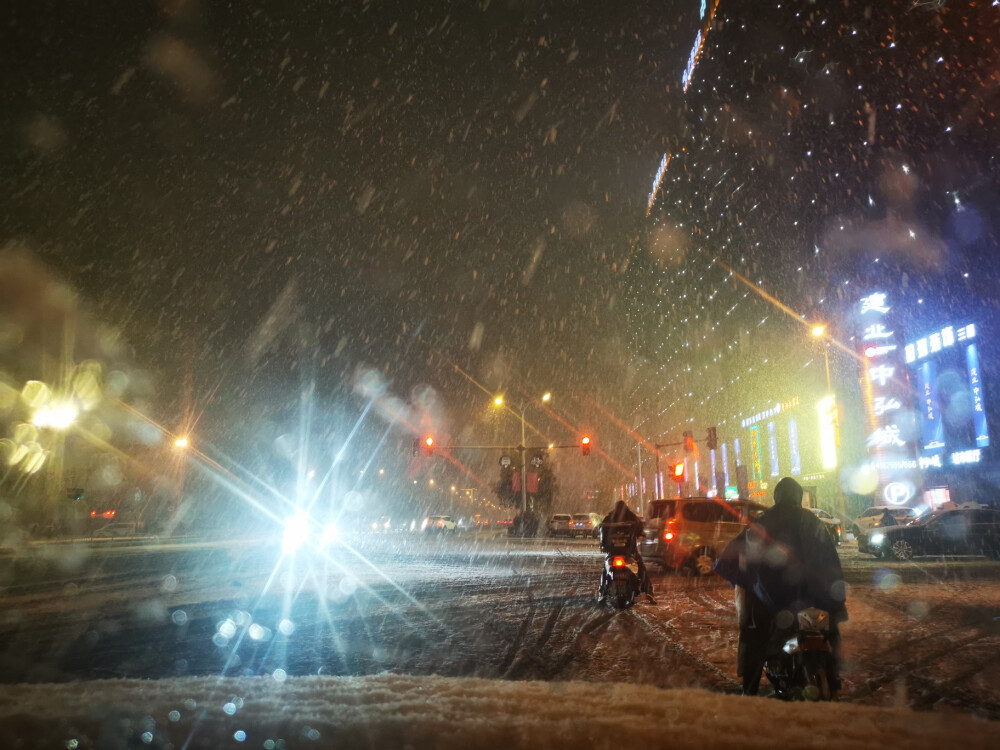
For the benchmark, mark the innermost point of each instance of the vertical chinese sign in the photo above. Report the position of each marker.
(892, 428)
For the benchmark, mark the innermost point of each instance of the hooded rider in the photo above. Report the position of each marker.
(622, 514)
(783, 563)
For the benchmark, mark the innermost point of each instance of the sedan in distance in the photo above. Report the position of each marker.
(585, 524)
(439, 524)
(961, 531)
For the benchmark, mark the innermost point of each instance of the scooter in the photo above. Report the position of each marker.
(620, 581)
(803, 668)
(621, 577)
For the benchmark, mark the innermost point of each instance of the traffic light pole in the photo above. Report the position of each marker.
(638, 453)
(656, 453)
(524, 470)
(521, 449)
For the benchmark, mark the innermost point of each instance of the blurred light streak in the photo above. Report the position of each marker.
(625, 471)
(786, 309)
(664, 163)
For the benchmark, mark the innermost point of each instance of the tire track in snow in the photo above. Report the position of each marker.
(716, 678)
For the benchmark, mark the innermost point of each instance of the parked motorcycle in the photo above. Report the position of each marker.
(802, 667)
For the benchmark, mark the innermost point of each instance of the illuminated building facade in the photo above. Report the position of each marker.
(817, 162)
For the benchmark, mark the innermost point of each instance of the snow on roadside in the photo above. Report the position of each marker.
(390, 711)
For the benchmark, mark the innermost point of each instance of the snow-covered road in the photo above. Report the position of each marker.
(923, 634)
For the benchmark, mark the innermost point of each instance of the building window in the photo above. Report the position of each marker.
(725, 462)
(772, 448)
(793, 445)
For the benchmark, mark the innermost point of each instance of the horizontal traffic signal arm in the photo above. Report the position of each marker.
(673, 444)
(505, 447)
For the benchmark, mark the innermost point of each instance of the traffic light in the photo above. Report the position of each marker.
(429, 445)
(688, 442)
(585, 445)
(677, 472)
(712, 441)
(76, 494)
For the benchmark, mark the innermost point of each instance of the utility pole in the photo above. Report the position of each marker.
(638, 451)
(524, 471)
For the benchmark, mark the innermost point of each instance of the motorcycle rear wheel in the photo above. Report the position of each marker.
(624, 601)
(817, 687)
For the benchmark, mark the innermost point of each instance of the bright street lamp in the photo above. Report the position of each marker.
(181, 442)
(819, 331)
(56, 417)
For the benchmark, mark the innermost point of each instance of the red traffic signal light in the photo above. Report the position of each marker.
(428, 445)
(677, 471)
(585, 444)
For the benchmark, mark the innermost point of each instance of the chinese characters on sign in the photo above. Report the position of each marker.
(890, 443)
(874, 303)
(945, 364)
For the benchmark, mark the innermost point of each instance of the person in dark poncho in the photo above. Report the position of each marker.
(783, 563)
(621, 514)
(887, 519)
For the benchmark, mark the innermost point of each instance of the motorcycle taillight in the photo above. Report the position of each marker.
(618, 561)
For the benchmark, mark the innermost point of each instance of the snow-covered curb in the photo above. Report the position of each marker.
(392, 711)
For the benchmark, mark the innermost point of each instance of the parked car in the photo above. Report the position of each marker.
(585, 524)
(832, 524)
(559, 525)
(692, 531)
(870, 518)
(116, 530)
(961, 531)
(439, 524)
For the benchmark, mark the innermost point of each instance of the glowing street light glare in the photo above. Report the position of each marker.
(498, 401)
(55, 417)
(181, 442)
(818, 331)
(546, 397)
(296, 533)
(331, 533)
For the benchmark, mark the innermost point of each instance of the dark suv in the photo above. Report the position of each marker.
(692, 531)
(962, 531)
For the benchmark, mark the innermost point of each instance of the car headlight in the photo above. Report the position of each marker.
(296, 533)
(331, 533)
(877, 538)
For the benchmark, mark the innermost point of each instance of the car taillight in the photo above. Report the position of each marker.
(668, 533)
(618, 561)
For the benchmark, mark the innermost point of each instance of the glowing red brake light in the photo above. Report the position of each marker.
(668, 535)
(618, 561)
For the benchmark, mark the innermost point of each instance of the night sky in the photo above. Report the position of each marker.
(266, 193)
